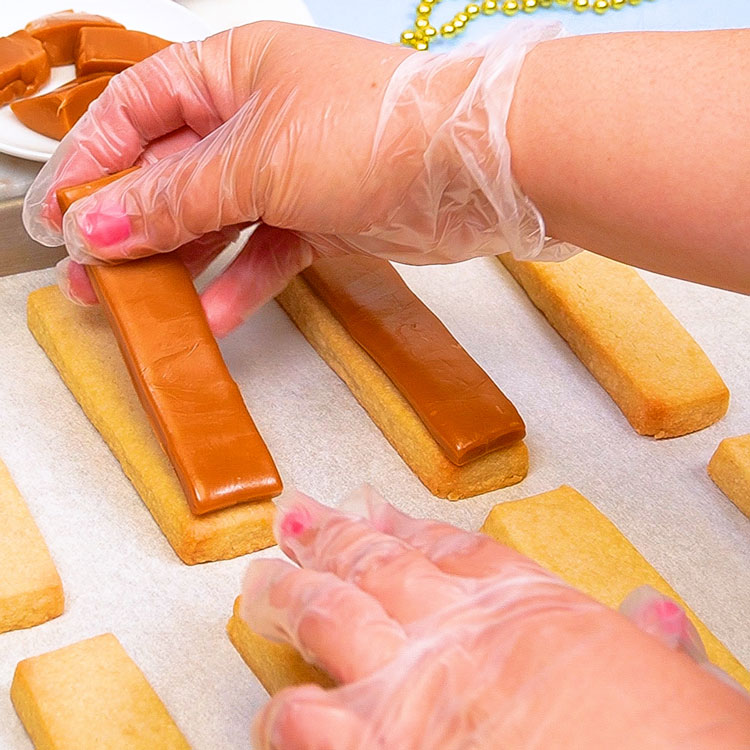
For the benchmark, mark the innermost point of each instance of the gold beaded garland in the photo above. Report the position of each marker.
(424, 32)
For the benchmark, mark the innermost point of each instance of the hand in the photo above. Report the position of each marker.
(441, 639)
(335, 144)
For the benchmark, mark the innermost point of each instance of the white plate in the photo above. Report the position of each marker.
(161, 17)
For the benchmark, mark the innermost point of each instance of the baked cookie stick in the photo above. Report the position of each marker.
(440, 411)
(80, 344)
(91, 696)
(30, 588)
(639, 352)
(730, 469)
(568, 536)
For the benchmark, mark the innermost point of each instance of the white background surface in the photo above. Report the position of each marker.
(120, 574)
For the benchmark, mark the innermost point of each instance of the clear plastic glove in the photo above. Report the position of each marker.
(336, 144)
(445, 640)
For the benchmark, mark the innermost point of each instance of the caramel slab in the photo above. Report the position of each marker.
(24, 66)
(55, 113)
(58, 32)
(195, 407)
(104, 49)
(462, 408)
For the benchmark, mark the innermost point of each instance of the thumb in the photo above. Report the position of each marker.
(160, 207)
(269, 260)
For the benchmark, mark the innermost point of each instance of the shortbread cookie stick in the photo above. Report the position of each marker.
(81, 345)
(276, 665)
(194, 405)
(91, 696)
(639, 352)
(730, 469)
(568, 536)
(564, 533)
(412, 377)
(30, 588)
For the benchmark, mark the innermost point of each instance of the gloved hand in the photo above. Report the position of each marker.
(336, 144)
(444, 640)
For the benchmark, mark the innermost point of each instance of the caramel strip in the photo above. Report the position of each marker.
(58, 32)
(55, 113)
(24, 66)
(464, 411)
(103, 49)
(194, 406)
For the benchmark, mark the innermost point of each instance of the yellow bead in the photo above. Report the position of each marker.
(423, 9)
(461, 17)
(545, 3)
(580, 5)
(472, 10)
(618, 4)
(529, 6)
(511, 7)
(489, 7)
(430, 32)
(562, 3)
(601, 6)
(408, 36)
(459, 25)
(421, 24)
(634, 2)
(421, 46)
(448, 30)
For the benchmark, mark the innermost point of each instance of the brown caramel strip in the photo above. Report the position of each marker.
(464, 411)
(103, 49)
(55, 113)
(193, 404)
(58, 32)
(24, 66)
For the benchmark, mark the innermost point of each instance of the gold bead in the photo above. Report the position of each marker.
(562, 3)
(430, 32)
(529, 6)
(424, 9)
(618, 4)
(472, 10)
(421, 24)
(634, 2)
(580, 5)
(422, 46)
(462, 17)
(459, 25)
(408, 36)
(545, 3)
(601, 6)
(510, 7)
(448, 30)
(489, 7)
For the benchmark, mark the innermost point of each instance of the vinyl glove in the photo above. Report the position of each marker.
(444, 640)
(335, 144)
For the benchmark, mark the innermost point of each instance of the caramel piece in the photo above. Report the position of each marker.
(464, 411)
(194, 406)
(55, 113)
(109, 50)
(58, 32)
(24, 66)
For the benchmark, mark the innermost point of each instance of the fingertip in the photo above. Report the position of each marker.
(74, 283)
(222, 315)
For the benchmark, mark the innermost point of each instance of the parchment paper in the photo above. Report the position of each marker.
(120, 575)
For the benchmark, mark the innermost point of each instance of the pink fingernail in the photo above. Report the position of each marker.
(295, 522)
(105, 226)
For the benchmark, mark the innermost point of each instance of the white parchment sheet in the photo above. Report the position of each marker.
(120, 575)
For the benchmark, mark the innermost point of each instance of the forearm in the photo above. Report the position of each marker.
(637, 146)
